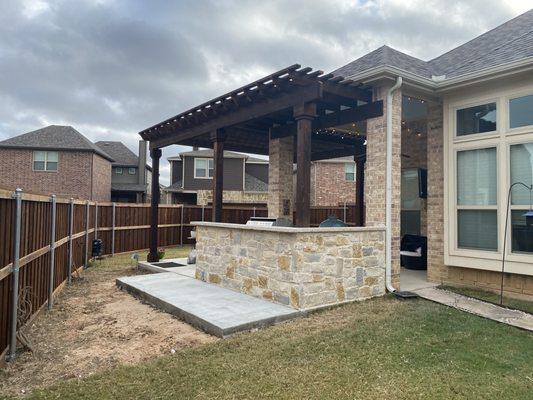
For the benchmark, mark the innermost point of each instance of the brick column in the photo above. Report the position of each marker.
(435, 200)
(280, 177)
(375, 170)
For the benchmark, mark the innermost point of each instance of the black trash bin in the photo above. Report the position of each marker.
(98, 248)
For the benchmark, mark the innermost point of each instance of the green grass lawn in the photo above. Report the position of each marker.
(484, 295)
(378, 349)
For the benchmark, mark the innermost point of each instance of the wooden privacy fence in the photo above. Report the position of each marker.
(44, 265)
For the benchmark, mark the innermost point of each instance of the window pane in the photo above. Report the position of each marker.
(131, 171)
(521, 171)
(200, 164)
(118, 171)
(51, 156)
(477, 229)
(51, 166)
(521, 111)
(38, 165)
(410, 192)
(476, 177)
(521, 233)
(476, 119)
(38, 156)
(350, 176)
(211, 168)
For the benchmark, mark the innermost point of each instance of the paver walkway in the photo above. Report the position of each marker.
(515, 318)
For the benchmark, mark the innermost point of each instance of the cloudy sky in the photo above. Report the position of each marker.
(111, 68)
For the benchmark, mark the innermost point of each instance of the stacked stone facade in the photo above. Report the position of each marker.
(301, 267)
(329, 186)
(81, 175)
(280, 178)
(375, 173)
(203, 197)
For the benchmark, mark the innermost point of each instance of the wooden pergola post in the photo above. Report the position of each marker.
(217, 138)
(155, 154)
(304, 115)
(360, 189)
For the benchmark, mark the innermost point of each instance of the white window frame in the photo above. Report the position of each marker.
(502, 139)
(46, 153)
(354, 172)
(208, 161)
(477, 136)
(521, 129)
(132, 169)
(119, 171)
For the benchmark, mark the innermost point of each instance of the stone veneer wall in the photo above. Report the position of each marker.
(303, 268)
(203, 197)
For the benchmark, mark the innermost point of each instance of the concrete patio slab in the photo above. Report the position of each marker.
(184, 269)
(215, 310)
(504, 315)
(411, 280)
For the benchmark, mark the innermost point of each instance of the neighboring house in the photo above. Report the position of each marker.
(245, 178)
(56, 160)
(333, 182)
(130, 174)
(467, 118)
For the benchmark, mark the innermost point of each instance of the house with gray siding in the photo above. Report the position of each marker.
(130, 175)
(191, 178)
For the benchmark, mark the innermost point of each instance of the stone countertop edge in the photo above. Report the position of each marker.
(286, 229)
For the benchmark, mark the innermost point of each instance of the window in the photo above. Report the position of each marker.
(45, 160)
(132, 171)
(119, 171)
(477, 216)
(477, 119)
(521, 171)
(521, 111)
(349, 172)
(203, 168)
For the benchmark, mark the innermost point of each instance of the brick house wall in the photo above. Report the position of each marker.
(73, 177)
(101, 179)
(329, 186)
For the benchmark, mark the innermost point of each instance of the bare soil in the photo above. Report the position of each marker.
(95, 326)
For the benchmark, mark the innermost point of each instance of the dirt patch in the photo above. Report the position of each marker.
(95, 326)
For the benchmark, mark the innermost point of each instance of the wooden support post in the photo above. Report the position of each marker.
(304, 116)
(154, 205)
(360, 189)
(218, 137)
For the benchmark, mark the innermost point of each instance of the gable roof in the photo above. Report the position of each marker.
(208, 153)
(385, 56)
(511, 41)
(54, 137)
(122, 155)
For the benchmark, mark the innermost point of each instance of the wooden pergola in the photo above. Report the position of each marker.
(318, 110)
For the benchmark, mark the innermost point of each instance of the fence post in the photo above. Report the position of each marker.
(70, 232)
(113, 232)
(52, 255)
(15, 276)
(345, 212)
(181, 225)
(95, 220)
(86, 258)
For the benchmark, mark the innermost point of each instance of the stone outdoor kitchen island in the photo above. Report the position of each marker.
(301, 267)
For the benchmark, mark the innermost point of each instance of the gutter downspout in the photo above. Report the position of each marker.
(388, 198)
